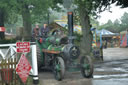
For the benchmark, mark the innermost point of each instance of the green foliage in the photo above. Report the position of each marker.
(54, 4)
(76, 17)
(94, 7)
(7, 41)
(8, 8)
(123, 3)
(78, 38)
(117, 25)
(113, 27)
(38, 9)
(124, 21)
(94, 23)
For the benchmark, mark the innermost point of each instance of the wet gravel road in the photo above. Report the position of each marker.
(105, 73)
(110, 54)
(113, 71)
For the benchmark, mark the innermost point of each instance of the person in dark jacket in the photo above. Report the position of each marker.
(44, 31)
(35, 32)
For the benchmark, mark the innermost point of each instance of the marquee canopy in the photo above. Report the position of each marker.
(105, 33)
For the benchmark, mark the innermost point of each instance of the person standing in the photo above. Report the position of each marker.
(35, 32)
(44, 31)
(105, 45)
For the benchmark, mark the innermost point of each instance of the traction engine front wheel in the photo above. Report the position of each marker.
(59, 68)
(86, 67)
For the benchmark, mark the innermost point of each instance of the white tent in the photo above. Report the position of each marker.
(105, 33)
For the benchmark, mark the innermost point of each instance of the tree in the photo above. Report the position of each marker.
(2, 17)
(28, 8)
(85, 8)
(124, 22)
(109, 22)
(33, 11)
(117, 26)
(113, 27)
(6, 10)
(122, 3)
(94, 23)
(108, 25)
(92, 7)
(40, 10)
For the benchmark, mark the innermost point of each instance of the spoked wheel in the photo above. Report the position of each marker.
(86, 67)
(59, 68)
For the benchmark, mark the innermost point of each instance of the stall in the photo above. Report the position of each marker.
(124, 39)
(108, 38)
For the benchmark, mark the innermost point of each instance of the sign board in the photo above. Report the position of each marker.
(23, 68)
(23, 47)
(2, 29)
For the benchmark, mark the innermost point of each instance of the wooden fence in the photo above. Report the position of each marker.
(7, 72)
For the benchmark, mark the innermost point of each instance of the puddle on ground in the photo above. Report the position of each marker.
(120, 69)
(99, 69)
(111, 76)
(108, 82)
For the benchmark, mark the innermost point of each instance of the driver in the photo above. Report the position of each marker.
(44, 31)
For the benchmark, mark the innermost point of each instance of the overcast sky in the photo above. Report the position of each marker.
(117, 12)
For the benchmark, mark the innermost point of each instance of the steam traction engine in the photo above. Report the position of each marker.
(59, 53)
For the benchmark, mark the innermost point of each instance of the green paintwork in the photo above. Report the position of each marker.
(58, 40)
(40, 46)
(86, 66)
(57, 67)
(48, 44)
(52, 43)
(73, 69)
